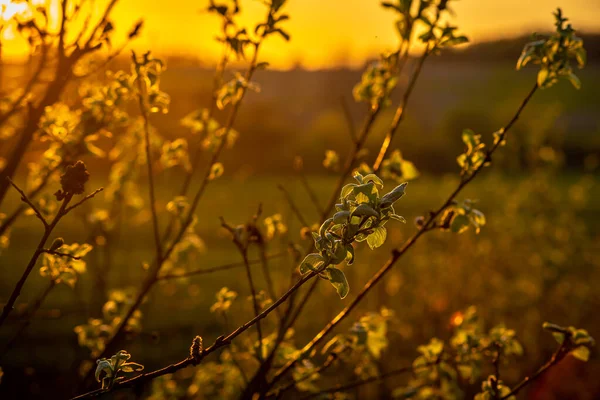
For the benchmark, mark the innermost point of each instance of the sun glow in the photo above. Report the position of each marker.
(324, 33)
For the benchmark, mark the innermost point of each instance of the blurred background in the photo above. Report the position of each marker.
(536, 260)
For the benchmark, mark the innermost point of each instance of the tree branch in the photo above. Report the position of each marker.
(26, 200)
(397, 254)
(293, 205)
(144, 111)
(557, 356)
(243, 249)
(210, 270)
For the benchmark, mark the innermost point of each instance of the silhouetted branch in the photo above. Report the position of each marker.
(219, 268)
(293, 205)
(26, 200)
(397, 254)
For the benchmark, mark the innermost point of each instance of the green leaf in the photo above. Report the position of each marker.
(361, 333)
(377, 238)
(311, 262)
(581, 56)
(339, 253)
(393, 196)
(559, 337)
(341, 217)
(132, 367)
(103, 366)
(470, 138)
(581, 353)
(350, 254)
(574, 80)
(409, 171)
(459, 224)
(373, 178)
(542, 76)
(398, 218)
(338, 280)
(366, 189)
(364, 210)
(346, 190)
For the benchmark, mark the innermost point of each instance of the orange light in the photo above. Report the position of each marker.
(457, 318)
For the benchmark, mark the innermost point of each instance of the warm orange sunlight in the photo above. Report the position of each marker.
(324, 33)
(299, 199)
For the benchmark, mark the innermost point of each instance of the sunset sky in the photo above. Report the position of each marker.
(330, 32)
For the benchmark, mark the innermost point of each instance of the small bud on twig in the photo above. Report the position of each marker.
(196, 348)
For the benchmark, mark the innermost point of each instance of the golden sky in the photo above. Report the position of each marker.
(331, 32)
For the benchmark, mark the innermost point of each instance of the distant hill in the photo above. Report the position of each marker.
(510, 49)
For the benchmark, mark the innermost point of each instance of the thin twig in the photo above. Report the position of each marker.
(220, 342)
(311, 193)
(400, 111)
(235, 362)
(219, 268)
(496, 364)
(26, 200)
(28, 315)
(58, 253)
(8, 307)
(16, 105)
(88, 44)
(293, 205)
(557, 356)
(243, 249)
(281, 390)
(153, 274)
(361, 382)
(13, 217)
(151, 189)
(385, 146)
(398, 253)
(196, 159)
(86, 198)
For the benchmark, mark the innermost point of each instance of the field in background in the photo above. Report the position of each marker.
(537, 259)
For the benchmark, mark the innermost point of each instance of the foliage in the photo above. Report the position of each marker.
(66, 264)
(110, 371)
(361, 215)
(99, 122)
(554, 54)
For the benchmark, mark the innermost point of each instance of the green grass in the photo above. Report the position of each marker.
(178, 309)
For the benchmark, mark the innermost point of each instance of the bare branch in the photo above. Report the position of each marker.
(220, 342)
(293, 205)
(152, 276)
(80, 202)
(26, 200)
(58, 253)
(328, 363)
(311, 193)
(28, 315)
(35, 78)
(151, 189)
(557, 356)
(243, 249)
(224, 267)
(398, 253)
(400, 111)
(362, 382)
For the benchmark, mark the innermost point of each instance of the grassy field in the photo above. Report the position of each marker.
(534, 261)
(537, 259)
